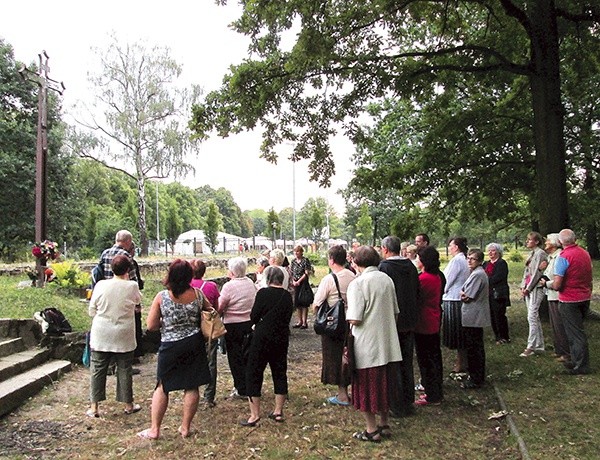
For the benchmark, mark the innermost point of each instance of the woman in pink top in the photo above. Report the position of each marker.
(235, 304)
(211, 291)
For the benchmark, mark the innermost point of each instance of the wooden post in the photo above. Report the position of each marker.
(41, 215)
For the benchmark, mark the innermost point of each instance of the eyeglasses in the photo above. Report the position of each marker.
(475, 259)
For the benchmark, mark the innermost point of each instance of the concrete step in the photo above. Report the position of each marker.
(16, 390)
(28, 329)
(10, 346)
(22, 361)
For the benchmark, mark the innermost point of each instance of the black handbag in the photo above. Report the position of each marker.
(331, 320)
(305, 295)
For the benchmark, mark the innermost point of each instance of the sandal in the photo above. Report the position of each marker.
(249, 424)
(375, 436)
(135, 408)
(145, 434)
(92, 413)
(385, 431)
(297, 326)
(277, 417)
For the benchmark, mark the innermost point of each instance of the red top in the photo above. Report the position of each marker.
(429, 301)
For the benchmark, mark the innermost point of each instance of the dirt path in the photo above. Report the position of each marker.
(52, 423)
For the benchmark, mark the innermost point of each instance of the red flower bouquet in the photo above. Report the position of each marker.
(45, 250)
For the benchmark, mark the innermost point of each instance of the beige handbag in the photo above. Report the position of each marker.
(210, 321)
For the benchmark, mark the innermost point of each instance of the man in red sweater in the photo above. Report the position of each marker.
(573, 281)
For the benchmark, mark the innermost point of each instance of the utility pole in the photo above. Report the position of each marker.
(41, 215)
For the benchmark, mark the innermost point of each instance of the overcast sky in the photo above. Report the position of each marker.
(199, 38)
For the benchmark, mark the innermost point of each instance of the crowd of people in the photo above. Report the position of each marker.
(398, 304)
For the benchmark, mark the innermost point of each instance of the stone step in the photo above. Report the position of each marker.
(10, 346)
(28, 329)
(16, 390)
(22, 361)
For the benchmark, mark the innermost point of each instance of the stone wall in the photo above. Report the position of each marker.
(149, 268)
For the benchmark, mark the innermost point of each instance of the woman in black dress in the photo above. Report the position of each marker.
(301, 269)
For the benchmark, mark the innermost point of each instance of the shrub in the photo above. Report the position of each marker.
(316, 258)
(514, 255)
(69, 275)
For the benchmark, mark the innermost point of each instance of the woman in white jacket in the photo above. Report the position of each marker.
(112, 335)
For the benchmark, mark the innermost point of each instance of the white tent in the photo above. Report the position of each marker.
(194, 242)
(333, 242)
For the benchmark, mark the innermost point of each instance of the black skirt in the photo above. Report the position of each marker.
(452, 330)
(182, 365)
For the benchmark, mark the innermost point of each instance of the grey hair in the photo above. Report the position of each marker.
(391, 243)
(277, 255)
(123, 236)
(497, 246)
(567, 236)
(274, 275)
(553, 239)
(238, 266)
(262, 261)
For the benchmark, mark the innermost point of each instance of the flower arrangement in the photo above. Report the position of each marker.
(45, 250)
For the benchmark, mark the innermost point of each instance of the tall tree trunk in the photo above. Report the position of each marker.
(143, 226)
(591, 238)
(548, 119)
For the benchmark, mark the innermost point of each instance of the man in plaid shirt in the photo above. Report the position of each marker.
(122, 246)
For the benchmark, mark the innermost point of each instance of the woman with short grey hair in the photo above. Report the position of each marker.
(496, 269)
(238, 266)
(235, 304)
(277, 257)
(261, 263)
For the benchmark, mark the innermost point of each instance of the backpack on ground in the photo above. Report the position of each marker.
(54, 321)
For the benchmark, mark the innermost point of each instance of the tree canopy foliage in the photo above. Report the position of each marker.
(348, 53)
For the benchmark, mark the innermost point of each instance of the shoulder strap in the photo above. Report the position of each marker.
(337, 284)
(200, 298)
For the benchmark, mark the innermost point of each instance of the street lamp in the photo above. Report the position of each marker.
(274, 225)
(293, 144)
(294, 201)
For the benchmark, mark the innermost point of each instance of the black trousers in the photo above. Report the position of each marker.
(429, 357)
(263, 353)
(403, 398)
(139, 351)
(499, 320)
(475, 354)
(237, 364)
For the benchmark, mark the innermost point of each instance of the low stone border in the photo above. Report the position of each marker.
(512, 425)
(146, 266)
